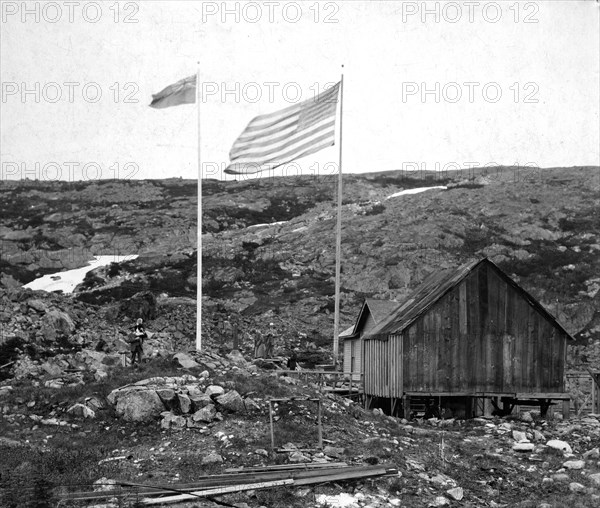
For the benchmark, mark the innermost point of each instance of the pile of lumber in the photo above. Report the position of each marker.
(233, 480)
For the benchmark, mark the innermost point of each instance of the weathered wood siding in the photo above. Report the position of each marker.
(381, 377)
(482, 336)
(354, 347)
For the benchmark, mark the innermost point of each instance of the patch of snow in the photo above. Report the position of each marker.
(68, 280)
(415, 191)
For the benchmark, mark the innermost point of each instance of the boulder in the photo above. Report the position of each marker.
(54, 367)
(55, 323)
(519, 436)
(185, 404)
(200, 401)
(37, 305)
(237, 358)
(231, 401)
(577, 488)
(557, 444)
(523, 447)
(193, 390)
(171, 420)
(141, 305)
(333, 451)
(595, 479)
(168, 397)
(214, 390)
(186, 361)
(139, 406)
(594, 453)
(574, 464)
(82, 411)
(538, 436)
(206, 414)
(456, 493)
(298, 457)
(212, 458)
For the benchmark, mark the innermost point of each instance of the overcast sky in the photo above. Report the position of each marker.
(507, 83)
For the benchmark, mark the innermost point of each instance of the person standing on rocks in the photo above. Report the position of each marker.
(137, 342)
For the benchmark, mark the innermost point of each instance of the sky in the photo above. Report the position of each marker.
(427, 85)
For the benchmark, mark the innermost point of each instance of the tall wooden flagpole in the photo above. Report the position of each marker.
(338, 243)
(199, 241)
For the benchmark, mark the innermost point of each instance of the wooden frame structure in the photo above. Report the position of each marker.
(470, 333)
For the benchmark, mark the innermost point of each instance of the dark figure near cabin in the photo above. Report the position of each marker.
(292, 363)
(432, 410)
(136, 343)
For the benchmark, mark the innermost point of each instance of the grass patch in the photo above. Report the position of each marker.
(262, 387)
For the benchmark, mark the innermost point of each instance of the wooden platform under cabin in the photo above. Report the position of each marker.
(328, 381)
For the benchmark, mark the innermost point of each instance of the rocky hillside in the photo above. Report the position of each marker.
(268, 244)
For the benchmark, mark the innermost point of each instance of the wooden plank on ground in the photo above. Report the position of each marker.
(346, 475)
(214, 492)
(217, 481)
(284, 467)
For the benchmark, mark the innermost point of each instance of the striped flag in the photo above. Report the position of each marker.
(182, 92)
(278, 138)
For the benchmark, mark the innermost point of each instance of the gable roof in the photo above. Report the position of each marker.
(434, 288)
(379, 309)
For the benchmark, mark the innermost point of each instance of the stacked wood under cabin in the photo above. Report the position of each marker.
(471, 339)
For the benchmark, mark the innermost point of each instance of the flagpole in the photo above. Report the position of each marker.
(338, 243)
(199, 240)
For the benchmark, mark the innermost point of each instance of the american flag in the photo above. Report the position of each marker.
(278, 138)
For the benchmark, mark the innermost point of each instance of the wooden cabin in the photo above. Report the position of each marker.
(469, 336)
(371, 313)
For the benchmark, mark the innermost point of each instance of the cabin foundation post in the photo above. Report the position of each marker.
(488, 408)
(566, 408)
(544, 405)
(406, 406)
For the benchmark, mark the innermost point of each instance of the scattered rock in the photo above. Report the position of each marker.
(185, 404)
(81, 411)
(168, 397)
(557, 444)
(171, 420)
(139, 406)
(456, 493)
(186, 361)
(214, 390)
(206, 414)
(56, 323)
(519, 436)
(333, 451)
(574, 464)
(577, 487)
(523, 447)
(538, 437)
(212, 458)
(595, 479)
(200, 401)
(231, 401)
(298, 457)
